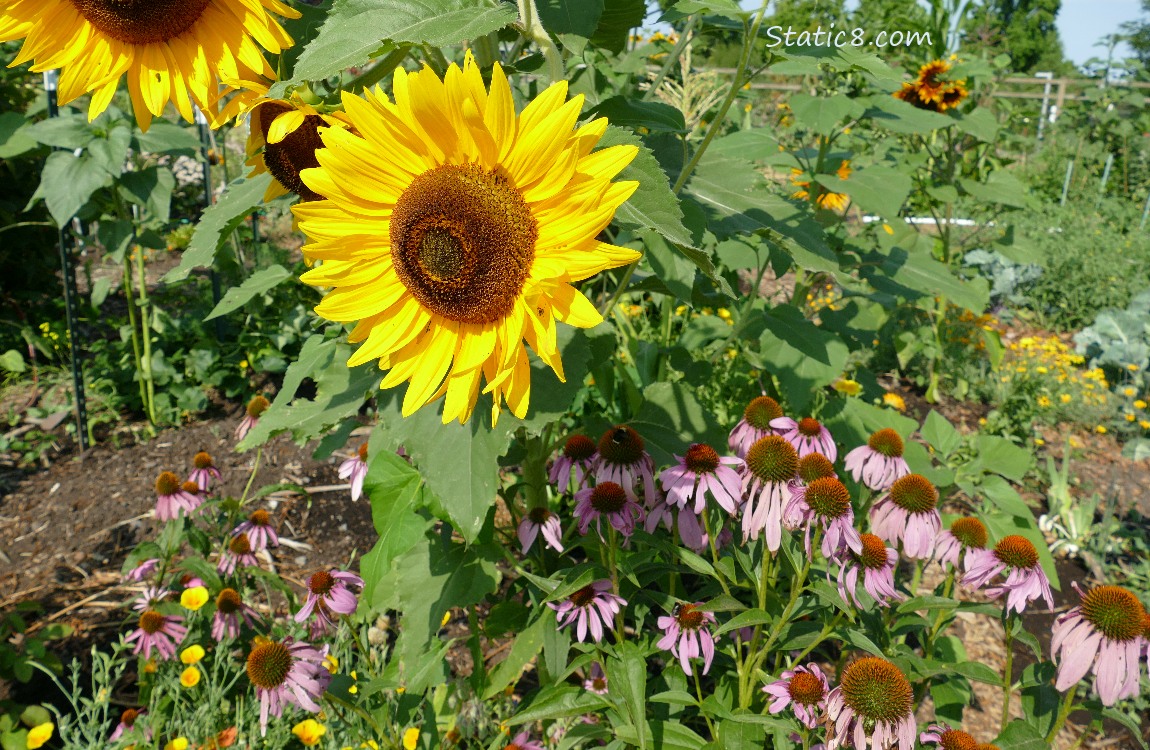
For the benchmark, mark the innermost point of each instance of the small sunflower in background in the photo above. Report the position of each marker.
(453, 229)
(183, 51)
(283, 139)
(931, 91)
(825, 198)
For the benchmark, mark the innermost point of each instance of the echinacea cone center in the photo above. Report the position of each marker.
(701, 459)
(886, 442)
(167, 483)
(190, 487)
(873, 555)
(583, 596)
(608, 497)
(815, 466)
(151, 622)
(128, 718)
(689, 617)
(772, 459)
(538, 516)
(268, 665)
(321, 583)
(956, 739)
(260, 518)
(295, 153)
(876, 690)
(1016, 551)
(1114, 611)
(240, 545)
(761, 411)
(202, 460)
(463, 241)
(914, 493)
(257, 406)
(806, 689)
(363, 452)
(229, 601)
(141, 21)
(621, 446)
(809, 427)
(828, 497)
(970, 532)
(579, 448)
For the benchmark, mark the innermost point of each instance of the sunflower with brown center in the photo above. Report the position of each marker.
(282, 141)
(453, 230)
(187, 52)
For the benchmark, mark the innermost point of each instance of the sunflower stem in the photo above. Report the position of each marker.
(736, 85)
(130, 296)
(145, 331)
(533, 30)
(1063, 713)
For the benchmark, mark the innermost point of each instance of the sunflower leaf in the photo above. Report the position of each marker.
(258, 283)
(653, 205)
(218, 221)
(354, 29)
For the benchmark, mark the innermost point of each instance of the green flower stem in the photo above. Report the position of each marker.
(1063, 713)
(826, 631)
(383, 67)
(684, 40)
(624, 280)
(612, 565)
(721, 115)
(252, 476)
(145, 330)
(715, 554)
(916, 579)
(699, 695)
(947, 590)
(1008, 674)
(533, 29)
(131, 298)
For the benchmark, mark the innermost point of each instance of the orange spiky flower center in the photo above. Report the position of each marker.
(876, 690)
(539, 516)
(268, 665)
(228, 601)
(260, 518)
(956, 739)
(828, 497)
(1114, 612)
(621, 446)
(1016, 551)
(152, 622)
(701, 459)
(579, 448)
(809, 427)
(772, 459)
(583, 596)
(815, 466)
(363, 452)
(240, 544)
(321, 583)
(202, 460)
(806, 689)
(970, 532)
(887, 442)
(608, 497)
(761, 411)
(167, 483)
(689, 617)
(257, 406)
(190, 487)
(914, 493)
(128, 718)
(873, 555)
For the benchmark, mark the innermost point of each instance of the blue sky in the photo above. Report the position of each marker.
(1081, 23)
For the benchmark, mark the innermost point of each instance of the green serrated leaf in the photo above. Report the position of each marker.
(258, 283)
(67, 182)
(219, 219)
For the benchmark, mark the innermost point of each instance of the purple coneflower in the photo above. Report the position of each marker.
(522, 741)
(230, 608)
(623, 460)
(955, 543)
(592, 608)
(610, 500)
(150, 597)
(127, 722)
(691, 531)
(807, 436)
(172, 497)
(574, 461)
(539, 520)
(238, 552)
(1103, 634)
(908, 513)
(878, 463)
(596, 680)
(872, 705)
(826, 503)
(354, 469)
(755, 425)
(205, 472)
(256, 407)
(687, 636)
(329, 591)
(876, 562)
(143, 570)
(1026, 580)
(699, 471)
(945, 738)
(160, 632)
(772, 463)
(286, 672)
(811, 467)
(261, 533)
(805, 689)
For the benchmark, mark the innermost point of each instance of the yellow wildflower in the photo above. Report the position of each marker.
(1043, 401)
(1101, 429)
(1130, 417)
(410, 738)
(894, 401)
(1139, 404)
(180, 743)
(1065, 398)
(309, 731)
(331, 663)
(192, 654)
(847, 386)
(190, 677)
(39, 734)
(194, 598)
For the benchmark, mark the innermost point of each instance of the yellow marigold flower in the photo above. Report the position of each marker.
(847, 386)
(894, 401)
(1065, 398)
(194, 598)
(192, 654)
(309, 732)
(150, 666)
(410, 738)
(1043, 401)
(452, 230)
(1101, 429)
(179, 743)
(39, 734)
(187, 52)
(190, 677)
(681, 310)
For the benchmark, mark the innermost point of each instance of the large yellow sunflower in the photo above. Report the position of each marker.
(183, 51)
(453, 229)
